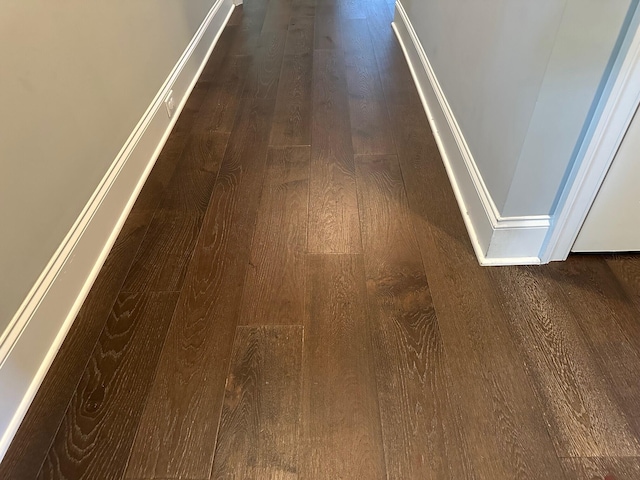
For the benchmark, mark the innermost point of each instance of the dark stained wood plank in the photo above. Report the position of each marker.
(211, 71)
(292, 119)
(599, 468)
(609, 322)
(326, 30)
(333, 207)
(370, 129)
(278, 16)
(395, 76)
(98, 428)
(300, 36)
(341, 435)
(161, 262)
(583, 416)
(259, 427)
(177, 433)
(503, 427)
(236, 16)
(189, 111)
(421, 434)
(217, 110)
(155, 187)
(274, 287)
(191, 186)
(627, 270)
(264, 69)
(38, 429)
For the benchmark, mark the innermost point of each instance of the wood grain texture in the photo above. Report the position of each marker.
(97, 431)
(259, 427)
(217, 110)
(38, 429)
(422, 437)
(583, 415)
(341, 435)
(177, 433)
(326, 29)
(627, 270)
(292, 119)
(502, 424)
(274, 287)
(161, 262)
(300, 35)
(370, 129)
(191, 186)
(264, 69)
(602, 468)
(212, 69)
(333, 207)
(609, 323)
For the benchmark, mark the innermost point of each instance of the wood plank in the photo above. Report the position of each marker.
(211, 71)
(155, 187)
(300, 35)
(292, 119)
(626, 268)
(98, 428)
(599, 468)
(264, 69)
(609, 322)
(274, 287)
(422, 437)
(503, 426)
(583, 416)
(259, 427)
(341, 435)
(161, 262)
(38, 429)
(177, 433)
(333, 207)
(219, 106)
(326, 30)
(278, 16)
(370, 128)
(191, 186)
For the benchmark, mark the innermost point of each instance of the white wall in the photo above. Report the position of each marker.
(520, 78)
(75, 79)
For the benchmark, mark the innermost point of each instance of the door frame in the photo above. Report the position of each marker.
(604, 138)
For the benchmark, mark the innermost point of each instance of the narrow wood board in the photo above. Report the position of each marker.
(98, 429)
(341, 435)
(259, 428)
(420, 424)
(334, 226)
(274, 288)
(178, 430)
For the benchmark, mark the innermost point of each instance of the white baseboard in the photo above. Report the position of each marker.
(36, 332)
(496, 240)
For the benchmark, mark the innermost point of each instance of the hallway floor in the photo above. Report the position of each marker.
(294, 295)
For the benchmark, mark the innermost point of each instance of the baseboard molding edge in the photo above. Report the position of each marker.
(36, 332)
(496, 240)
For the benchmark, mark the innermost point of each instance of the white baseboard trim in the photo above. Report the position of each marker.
(35, 334)
(496, 240)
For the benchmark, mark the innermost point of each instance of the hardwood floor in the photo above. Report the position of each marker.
(294, 296)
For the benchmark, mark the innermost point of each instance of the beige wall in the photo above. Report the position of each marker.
(520, 77)
(76, 76)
